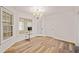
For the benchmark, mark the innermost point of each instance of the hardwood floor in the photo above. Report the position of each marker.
(42, 44)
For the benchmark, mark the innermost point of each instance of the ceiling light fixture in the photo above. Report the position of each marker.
(37, 12)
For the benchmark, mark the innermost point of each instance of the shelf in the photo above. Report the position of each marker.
(7, 34)
(7, 25)
(6, 21)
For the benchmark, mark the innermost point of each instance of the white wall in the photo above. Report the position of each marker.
(77, 29)
(0, 29)
(60, 25)
(77, 24)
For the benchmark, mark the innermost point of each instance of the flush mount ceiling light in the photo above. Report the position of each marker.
(38, 12)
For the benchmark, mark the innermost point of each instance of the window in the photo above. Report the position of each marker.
(29, 23)
(21, 26)
(24, 24)
(7, 25)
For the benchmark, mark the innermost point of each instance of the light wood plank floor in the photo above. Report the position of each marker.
(42, 44)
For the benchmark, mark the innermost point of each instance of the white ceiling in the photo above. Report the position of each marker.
(47, 9)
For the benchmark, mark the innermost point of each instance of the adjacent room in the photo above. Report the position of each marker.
(39, 29)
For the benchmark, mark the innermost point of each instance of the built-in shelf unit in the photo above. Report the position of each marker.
(6, 24)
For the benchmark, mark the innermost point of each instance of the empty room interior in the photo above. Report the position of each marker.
(39, 29)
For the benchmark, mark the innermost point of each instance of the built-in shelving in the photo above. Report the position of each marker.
(6, 23)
